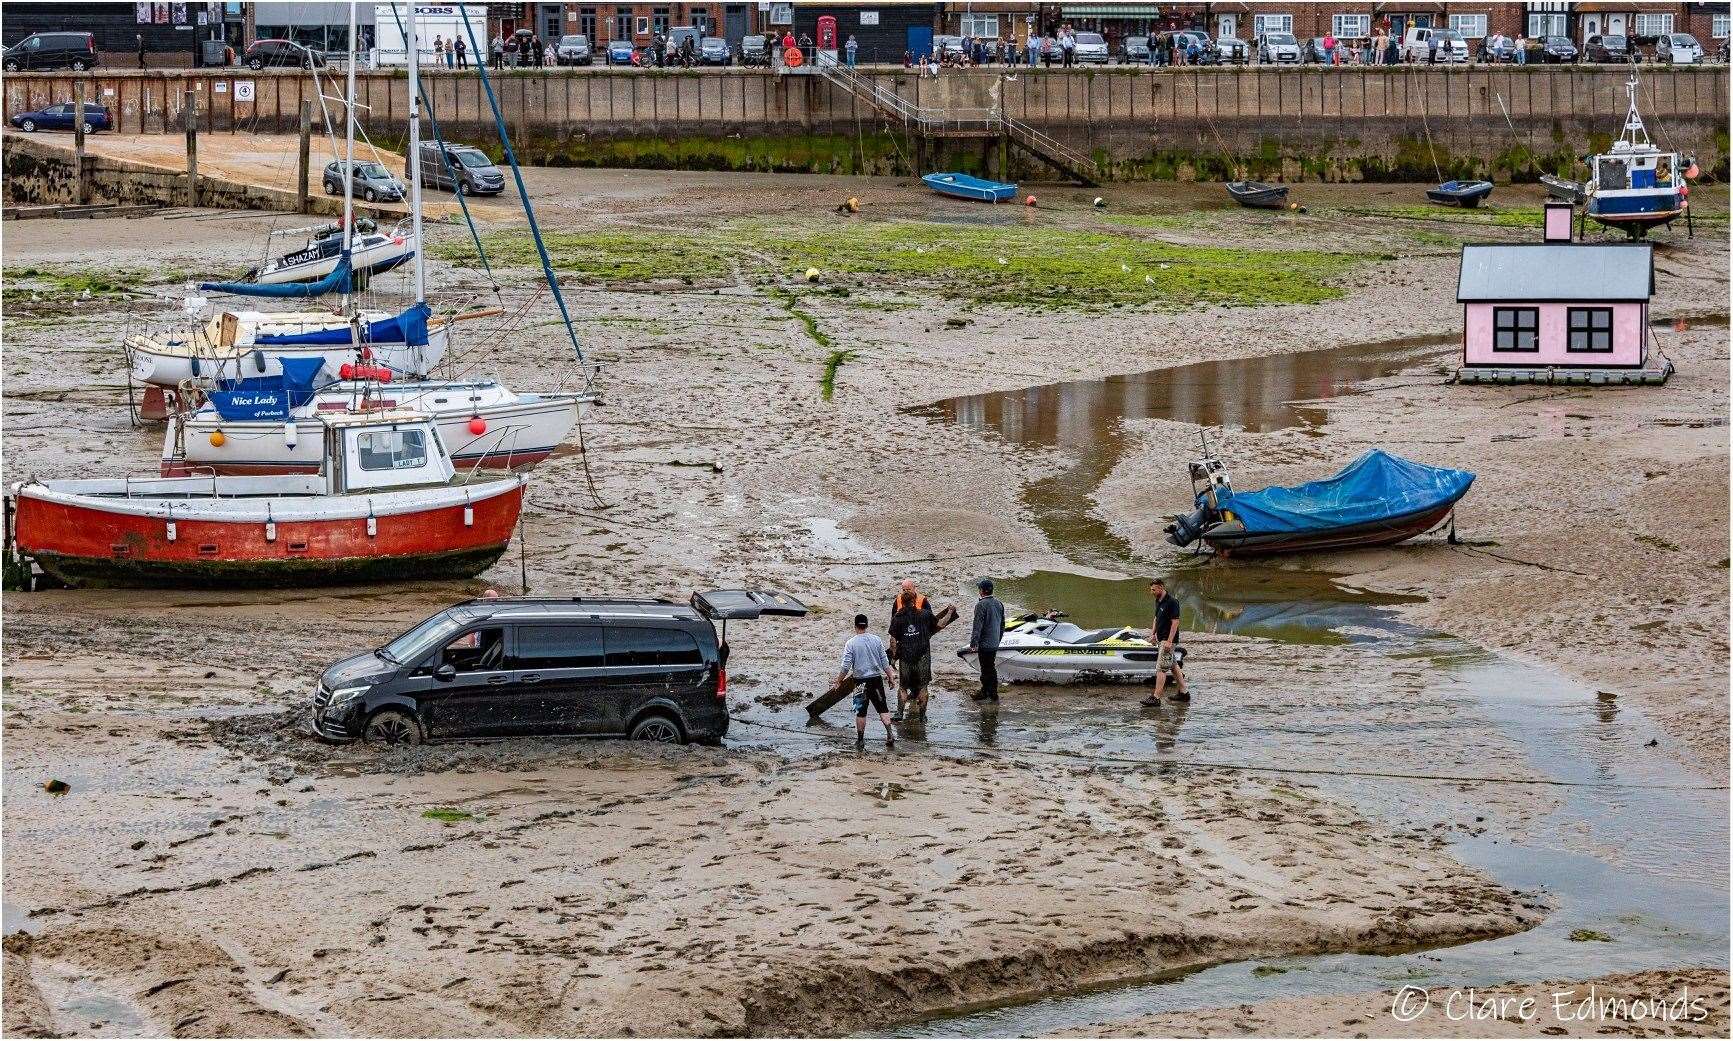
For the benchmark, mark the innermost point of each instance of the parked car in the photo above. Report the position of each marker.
(1556, 50)
(1497, 49)
(1418, 45)
(63, 116)
(1134, 50)
(1091, 48)
(1232, 49)
(713, 50)
(1280, 48)
(754, 51)
(373, 182)
(649, 670)
(1678, 49)
(1312, 51)
(281, 53)
(574, 50)
(471, 171)
(75, 51)
(620, 52)
(1606, 48)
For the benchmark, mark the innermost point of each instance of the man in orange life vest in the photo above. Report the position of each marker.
(913, 624)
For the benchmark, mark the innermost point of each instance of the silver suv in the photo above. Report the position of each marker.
(470, 171)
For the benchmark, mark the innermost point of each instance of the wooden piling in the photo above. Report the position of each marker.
(190, 114)
(81, 181)
(302, 202)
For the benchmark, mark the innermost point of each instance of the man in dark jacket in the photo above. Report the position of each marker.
(1164, 633)
(989, 629)
(913, 623)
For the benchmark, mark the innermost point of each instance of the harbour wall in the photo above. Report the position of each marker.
(1290, 124)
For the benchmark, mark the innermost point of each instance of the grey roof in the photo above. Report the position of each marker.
(1557, 271)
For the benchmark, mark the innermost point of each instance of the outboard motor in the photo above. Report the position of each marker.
(1209, 485)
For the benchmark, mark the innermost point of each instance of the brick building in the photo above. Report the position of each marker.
(636, 22)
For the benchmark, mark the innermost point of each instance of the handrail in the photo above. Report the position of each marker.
(930, 119)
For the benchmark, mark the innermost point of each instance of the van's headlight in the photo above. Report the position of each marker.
(343, 696)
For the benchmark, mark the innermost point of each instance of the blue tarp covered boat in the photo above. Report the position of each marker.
(1377, 500)
(965, 187)
(1467, 194)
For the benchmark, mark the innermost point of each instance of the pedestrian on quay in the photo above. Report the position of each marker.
(984, 636)
(1330, 48)
(852, 49)
(1068, 46)
(462, 54)
(1164, 633)
(864, 660)
(1392, 52)
(1432, 48)
(451, 50)
(1032, 48)
(1521, 49)
(498, 53)
(540, 47)
(140, 50)
(439, 50)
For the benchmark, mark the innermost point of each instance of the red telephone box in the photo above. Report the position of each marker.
(827, 38)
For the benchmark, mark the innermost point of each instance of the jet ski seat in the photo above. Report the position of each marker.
(1065, 632)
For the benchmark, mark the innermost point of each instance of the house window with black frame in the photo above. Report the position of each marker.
(1516, 329)
(1591, 330)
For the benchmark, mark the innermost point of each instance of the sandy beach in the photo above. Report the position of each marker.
(214, 871)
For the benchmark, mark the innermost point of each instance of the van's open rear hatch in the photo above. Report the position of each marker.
(735, 604)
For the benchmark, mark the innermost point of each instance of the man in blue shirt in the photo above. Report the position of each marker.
(1164, 633)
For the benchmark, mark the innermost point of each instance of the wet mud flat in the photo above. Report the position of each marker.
(781, 884)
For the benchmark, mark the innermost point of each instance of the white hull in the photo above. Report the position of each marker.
(1015, 666)
(168, 365)
(372, 252)
(521, 429)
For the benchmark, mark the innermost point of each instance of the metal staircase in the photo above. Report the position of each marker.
(955, 123)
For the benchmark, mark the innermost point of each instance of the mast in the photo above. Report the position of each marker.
(1635, 132)
(415, 160)
(349, 167)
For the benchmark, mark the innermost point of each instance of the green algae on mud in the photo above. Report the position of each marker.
(603, 256)
(1057, 267)
(77, 282)
(1013, 265)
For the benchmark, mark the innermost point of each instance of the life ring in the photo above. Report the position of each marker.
(792, 57)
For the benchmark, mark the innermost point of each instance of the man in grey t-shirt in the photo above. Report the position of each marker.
(864, 660)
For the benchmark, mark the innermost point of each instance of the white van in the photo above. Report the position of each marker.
(1416, 45)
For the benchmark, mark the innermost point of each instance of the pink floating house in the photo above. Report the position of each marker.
(1558, 311)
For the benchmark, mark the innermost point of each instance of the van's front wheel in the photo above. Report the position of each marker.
(658, 728)
(392, 726)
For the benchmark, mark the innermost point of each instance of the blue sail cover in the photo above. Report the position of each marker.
(410, 328)
(269, 397)
(336, 282)
(1377, 486)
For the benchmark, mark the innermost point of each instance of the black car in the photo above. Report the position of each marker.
(1606, 48)
(281, 53)
(75, 51)
(1134, 50)
(650, 670)
(1556, 49)
(465, 170)
(754, 51)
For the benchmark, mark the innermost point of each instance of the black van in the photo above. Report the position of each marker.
(650, 670)
(75, 51)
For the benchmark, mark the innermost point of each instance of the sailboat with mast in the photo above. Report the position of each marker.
(386, 506)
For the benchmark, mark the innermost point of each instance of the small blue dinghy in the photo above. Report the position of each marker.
(965, 187)
(1466, 194)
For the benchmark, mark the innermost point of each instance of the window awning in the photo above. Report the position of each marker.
(1109, 11)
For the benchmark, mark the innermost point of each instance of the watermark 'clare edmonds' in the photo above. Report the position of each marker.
(1572, 1005)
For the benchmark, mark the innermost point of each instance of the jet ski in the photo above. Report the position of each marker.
(1041, 648)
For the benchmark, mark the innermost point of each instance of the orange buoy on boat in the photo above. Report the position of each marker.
(218, 438)
(478, 426)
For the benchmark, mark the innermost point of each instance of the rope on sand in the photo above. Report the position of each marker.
(1200, 764)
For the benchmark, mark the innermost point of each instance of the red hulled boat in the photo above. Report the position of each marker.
(384, 508)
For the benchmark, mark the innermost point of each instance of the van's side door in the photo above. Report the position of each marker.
(559, 666)
(646, 662)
